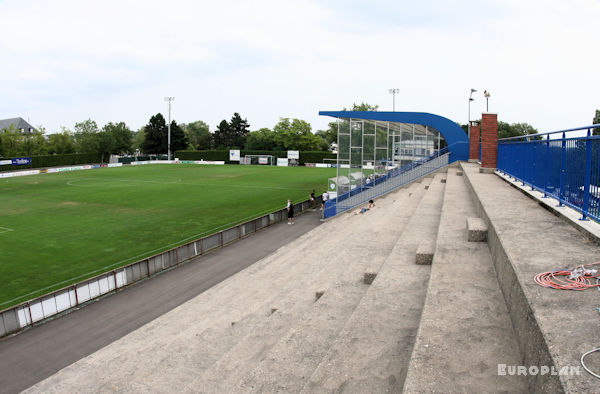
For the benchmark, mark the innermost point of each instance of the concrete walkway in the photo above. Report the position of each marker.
(37, 353)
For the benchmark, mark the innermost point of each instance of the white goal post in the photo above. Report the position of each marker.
(259, 159)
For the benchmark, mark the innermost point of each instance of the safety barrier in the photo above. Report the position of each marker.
(60, 301)
(567, 169)
(386, 183)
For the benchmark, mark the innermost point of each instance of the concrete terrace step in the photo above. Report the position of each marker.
(177, 342)
(554, 327)
(224, 376)
(372, 351)
(465, 331)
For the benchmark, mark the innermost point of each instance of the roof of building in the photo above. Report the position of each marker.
(19, 123)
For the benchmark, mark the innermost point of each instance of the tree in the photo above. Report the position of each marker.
(197, 134)
(155, 140)
(296, 135)
(263, 139)
(220, 136)
(61, 143)
(331, 134)
(506, 130)
(232, 134)
(363, 107)
(138, 139)
(122, 136)
(178, 140)
(596, 121)
(11, 141)
(16, 143)
(34, 143)
(85, 136)
(105, 141)
(238, 129)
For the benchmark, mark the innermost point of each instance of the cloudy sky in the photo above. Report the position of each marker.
(64, 61)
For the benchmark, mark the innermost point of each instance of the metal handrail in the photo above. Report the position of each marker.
(566, 168)
(594, 126)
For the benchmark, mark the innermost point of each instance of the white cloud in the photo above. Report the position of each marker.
(66, 60)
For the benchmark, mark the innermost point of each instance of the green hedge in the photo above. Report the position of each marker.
(55, 161)
(223, 155)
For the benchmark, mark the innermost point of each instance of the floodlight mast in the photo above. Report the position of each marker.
(393, 93)
(469, 121)
(169, 99)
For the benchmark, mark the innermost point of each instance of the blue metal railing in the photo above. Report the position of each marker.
(387, 182)
(566, 168)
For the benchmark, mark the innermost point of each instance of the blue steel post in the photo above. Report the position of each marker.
(523, 161)
(563, 166)
(588, 175)
(547, 169)
(532, 179)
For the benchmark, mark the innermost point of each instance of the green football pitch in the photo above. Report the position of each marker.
(58, 229)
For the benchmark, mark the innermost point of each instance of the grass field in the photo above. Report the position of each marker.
(58, 229)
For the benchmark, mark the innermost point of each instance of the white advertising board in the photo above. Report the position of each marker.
(5, 162)
(293, 154)
(282, 161)
(234, 155)
(263, 160)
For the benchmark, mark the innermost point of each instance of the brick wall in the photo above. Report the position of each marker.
(489, 140)
(474, 141)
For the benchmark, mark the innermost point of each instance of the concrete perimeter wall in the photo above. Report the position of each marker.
(66, 299)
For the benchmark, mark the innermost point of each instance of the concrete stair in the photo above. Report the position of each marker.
(273, 359)
(371, 353)
(275, 295)
(465, 330)
(554, 327)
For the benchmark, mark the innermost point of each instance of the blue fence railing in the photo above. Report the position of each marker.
(386, 183)
(561, 166)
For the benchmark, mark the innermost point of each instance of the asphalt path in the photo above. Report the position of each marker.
(41, 351)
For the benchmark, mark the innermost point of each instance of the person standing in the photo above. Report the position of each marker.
(313, 201)
(324, 197)
(290, 212)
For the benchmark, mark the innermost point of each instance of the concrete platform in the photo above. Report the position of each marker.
(553, 327)
(465, 330)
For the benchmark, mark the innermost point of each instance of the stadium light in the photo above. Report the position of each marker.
(469, 122)
(487, 97)
(393, 92)
(169, 99)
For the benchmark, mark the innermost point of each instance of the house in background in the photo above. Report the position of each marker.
(18, 123)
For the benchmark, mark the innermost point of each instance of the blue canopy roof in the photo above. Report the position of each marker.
(455, 136)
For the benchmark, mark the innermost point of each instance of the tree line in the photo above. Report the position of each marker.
(152, 138)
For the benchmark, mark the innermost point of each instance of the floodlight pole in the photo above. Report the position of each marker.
(393, 92)
(487, 95)
(169, 99)
(469, 124)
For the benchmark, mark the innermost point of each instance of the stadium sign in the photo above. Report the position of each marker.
(293, 155)
(234, 155)
(20, 161)
(282, 162)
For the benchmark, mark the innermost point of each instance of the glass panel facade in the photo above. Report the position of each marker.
(368, 148)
